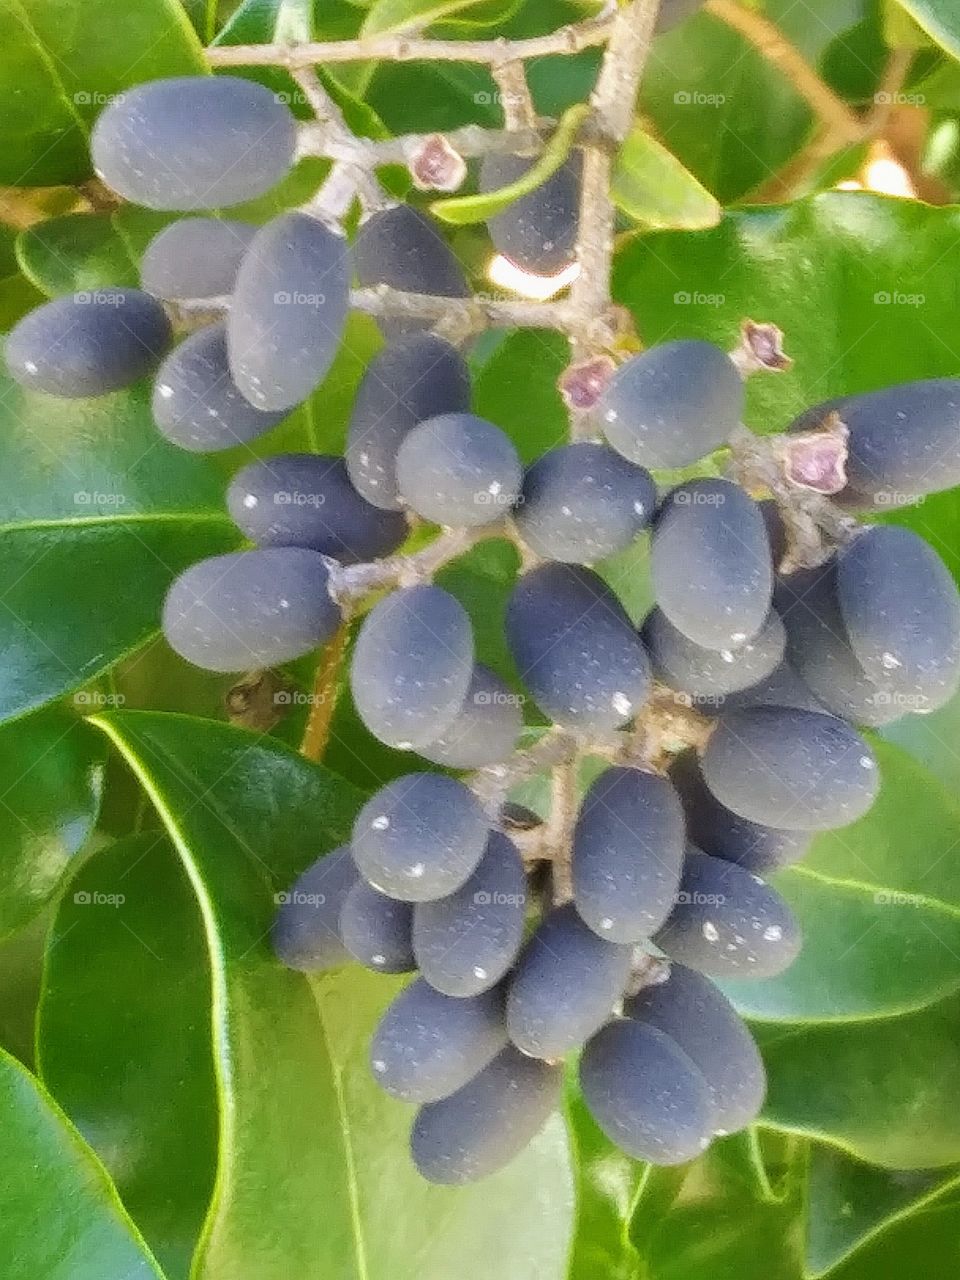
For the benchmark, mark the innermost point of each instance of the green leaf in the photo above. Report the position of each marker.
(17, 294)
(51, 778)
(416, 15)
(463, 210)
(924, 1243)
(60, 1218)
(97, 515)
(849, 1203)
(703, 1222)
(268, 21)
(877, 902)
(404, 1228)
(516, 387)
(653, 187)
(55, 80)
(884, 1091)
(940, 19)
(21, 971)
(127, 964)
(608, 1184)
(299, 1111)
(850, 277)
(75, 253)
(726, 112)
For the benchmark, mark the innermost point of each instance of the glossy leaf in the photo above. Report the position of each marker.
(939, 18)
(17, 294)
(849, 1203)
(609, 1184)
(94, 505)
(51, 780)
(884, 1091)
(60, 1218)
(127, 963)
(78, 252)
(55, 80)
(516, 387)
(877, 902)
(726, 112)
(303, 1127)
(653, 187)
(404, 15)
(697, 1222)
(829, 270)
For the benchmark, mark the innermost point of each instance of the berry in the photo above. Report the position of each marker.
(538, 232)
(702, 1022)
(458, 470)
(724, 834)
(901, 609)
(420, 837)
(484, 730)
(288, 310)
(195, 258)
(485, 1124)
(413, 378)
(193, 142)
(564, 986)
(88, 344)
(711, 673)
(428, 1045)
(793, 769)
(710, 563)
(672, 405)
(465, 943)
(403, 248)
(412, 666)
(646, 1094)
(196, 403)
(250, 609)
(627, 853)
(307, 500)
(583, 502)
(575, 648)
(306, 933)
(727, 923)
(376, 929)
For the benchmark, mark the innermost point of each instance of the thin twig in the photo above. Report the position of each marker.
(350, 584)
(406, 48)
(467, 316)
(564, 800)
(613, 103)
(515, 100)
(324, 698)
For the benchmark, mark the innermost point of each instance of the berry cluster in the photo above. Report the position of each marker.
(530, 939)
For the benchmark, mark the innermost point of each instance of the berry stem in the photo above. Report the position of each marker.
(316, 734)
